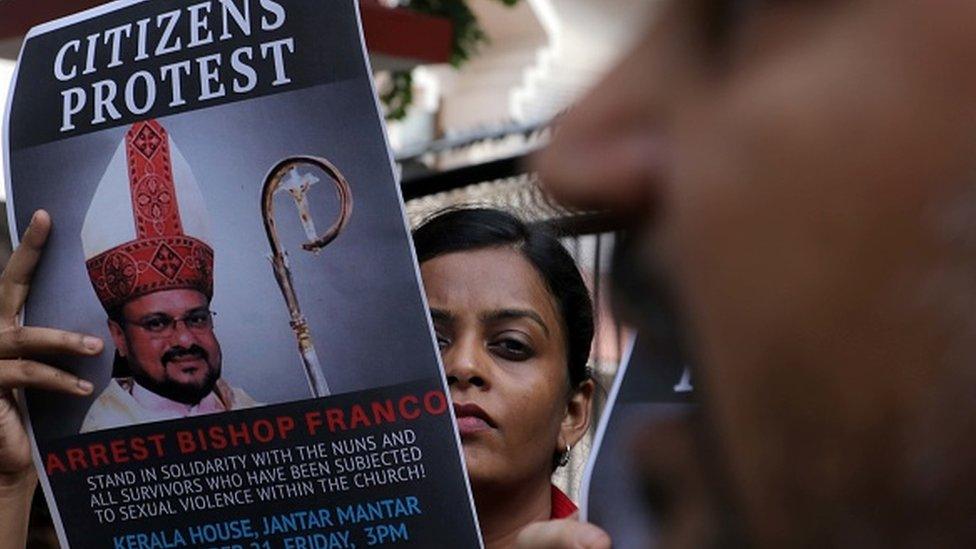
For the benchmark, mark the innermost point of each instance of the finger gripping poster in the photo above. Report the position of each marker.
(226, 218)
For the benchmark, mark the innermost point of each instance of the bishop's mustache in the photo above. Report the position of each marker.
(176, 353)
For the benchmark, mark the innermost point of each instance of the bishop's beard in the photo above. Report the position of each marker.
(186, 393)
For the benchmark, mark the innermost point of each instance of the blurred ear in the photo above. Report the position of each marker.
(118, 337)
(577, 418)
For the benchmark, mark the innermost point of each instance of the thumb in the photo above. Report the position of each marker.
(562, 534)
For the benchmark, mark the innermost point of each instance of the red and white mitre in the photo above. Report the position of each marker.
(147, 228)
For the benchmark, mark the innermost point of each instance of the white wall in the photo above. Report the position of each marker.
(542, 56)
(6, 73)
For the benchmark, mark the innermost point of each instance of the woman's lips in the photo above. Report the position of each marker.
(472, 419)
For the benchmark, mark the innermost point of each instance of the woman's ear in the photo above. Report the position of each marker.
(577, 418)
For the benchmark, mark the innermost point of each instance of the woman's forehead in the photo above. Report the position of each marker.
(488, 279)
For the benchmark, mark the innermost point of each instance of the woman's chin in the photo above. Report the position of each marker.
(479, 463)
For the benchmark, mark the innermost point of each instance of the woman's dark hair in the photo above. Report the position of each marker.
(459, 230)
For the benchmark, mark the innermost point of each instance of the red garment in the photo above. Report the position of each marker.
(562, 506)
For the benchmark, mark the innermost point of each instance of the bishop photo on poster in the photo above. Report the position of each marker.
(226, 217)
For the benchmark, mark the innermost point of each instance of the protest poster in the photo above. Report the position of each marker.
(226, 217)
(653, 383)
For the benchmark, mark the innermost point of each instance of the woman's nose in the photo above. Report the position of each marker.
(465, 366)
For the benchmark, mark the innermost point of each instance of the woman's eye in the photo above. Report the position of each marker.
(442, 342)
(512, 349)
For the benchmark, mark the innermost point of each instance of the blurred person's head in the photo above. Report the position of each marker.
(801, 177)
(514, 323)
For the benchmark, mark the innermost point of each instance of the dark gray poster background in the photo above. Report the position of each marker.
(646, 393)
(323, 40)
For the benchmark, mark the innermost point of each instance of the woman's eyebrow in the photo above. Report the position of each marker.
(510, 314)
(441, 315)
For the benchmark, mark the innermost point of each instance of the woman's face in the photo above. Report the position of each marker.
(504, 352)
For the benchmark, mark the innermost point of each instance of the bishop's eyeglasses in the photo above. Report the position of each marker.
(162, 325)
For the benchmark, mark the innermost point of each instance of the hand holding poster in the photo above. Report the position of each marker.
(295, 402)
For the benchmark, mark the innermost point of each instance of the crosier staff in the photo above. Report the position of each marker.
(286, 177)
